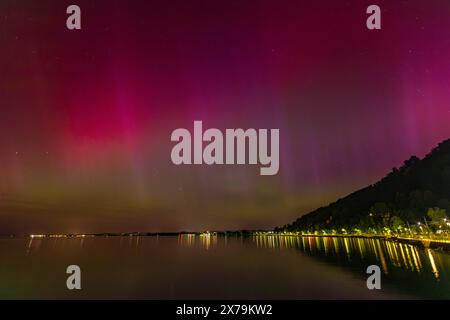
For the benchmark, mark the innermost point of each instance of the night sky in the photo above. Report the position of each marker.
(86, 116)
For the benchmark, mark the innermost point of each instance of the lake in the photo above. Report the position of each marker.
(210, 267)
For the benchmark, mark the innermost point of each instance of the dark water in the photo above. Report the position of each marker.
(207, 267)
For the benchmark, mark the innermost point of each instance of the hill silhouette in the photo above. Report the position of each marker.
(403, 196)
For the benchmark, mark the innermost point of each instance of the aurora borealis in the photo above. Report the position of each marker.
(86, 115)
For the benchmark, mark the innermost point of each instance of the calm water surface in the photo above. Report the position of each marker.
(208, 267)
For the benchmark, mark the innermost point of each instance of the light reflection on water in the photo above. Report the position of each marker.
(230, 267)
(387, 253)
(424, 272)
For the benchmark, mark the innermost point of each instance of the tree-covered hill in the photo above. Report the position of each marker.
(405, 195)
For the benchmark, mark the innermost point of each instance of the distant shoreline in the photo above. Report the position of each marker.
(135, 234)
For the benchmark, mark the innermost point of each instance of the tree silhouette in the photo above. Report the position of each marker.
(403, 196)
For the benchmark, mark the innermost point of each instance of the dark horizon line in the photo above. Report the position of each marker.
(134, 233)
